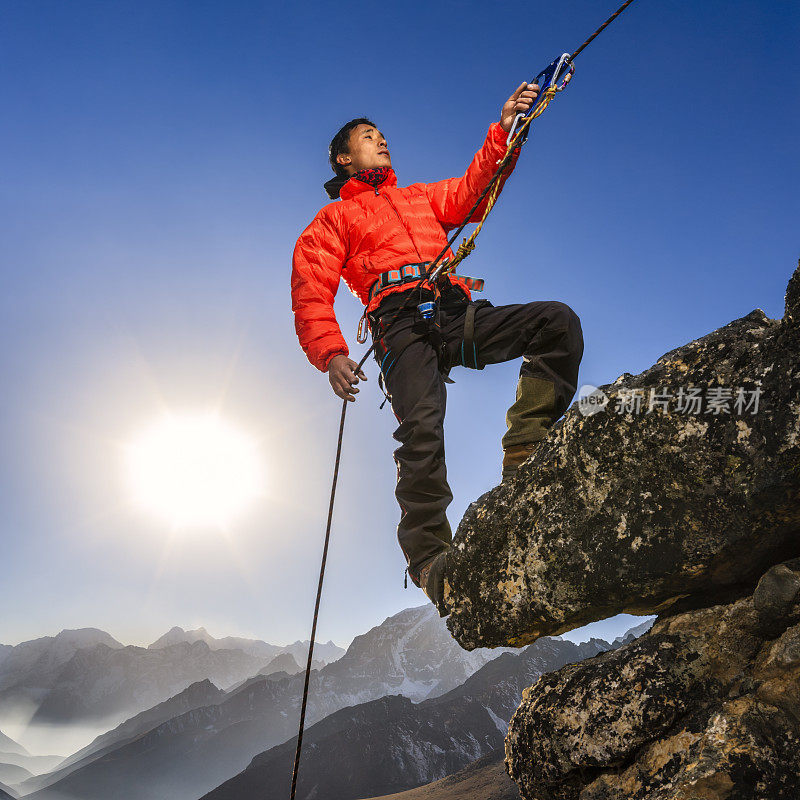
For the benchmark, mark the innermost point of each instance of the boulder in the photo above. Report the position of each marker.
(705, 706)
(677, 500)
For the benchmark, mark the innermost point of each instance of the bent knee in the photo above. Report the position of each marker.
(563, 316)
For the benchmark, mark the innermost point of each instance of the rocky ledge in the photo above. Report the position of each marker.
(678, 493)
(705, 706)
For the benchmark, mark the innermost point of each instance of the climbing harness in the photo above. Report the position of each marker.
(428, 327)
(425, 326)
(409, 273)
(562, 69)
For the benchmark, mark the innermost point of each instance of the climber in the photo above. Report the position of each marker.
(379, 237)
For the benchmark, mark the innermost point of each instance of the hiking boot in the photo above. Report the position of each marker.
(514, 455)
(431, 581)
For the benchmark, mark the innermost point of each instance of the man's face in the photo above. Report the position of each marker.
(368, 149)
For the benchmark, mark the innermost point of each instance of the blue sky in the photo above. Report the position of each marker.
(159, 160)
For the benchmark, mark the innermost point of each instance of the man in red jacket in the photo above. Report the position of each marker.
(379, 237)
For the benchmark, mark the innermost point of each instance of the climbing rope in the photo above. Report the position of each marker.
(468, 245)
(601, 28)
(319, 597)
(517, 138)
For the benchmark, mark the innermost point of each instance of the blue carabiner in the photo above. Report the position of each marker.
(559, 68)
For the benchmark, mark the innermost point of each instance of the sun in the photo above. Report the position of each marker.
(193, 470)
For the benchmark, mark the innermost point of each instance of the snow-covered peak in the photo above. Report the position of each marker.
(410, 653)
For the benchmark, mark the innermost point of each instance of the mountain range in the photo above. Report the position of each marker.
(184, 755)
(392, 744)
(404, 706)
(325, 653)
(8, 745)
(484, 779)
(87, 677)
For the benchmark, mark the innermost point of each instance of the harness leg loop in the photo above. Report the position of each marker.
(469, 349)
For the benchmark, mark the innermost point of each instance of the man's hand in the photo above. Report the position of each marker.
(342, 375)
(519, 103)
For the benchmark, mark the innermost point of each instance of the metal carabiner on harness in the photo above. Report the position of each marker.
(561, 66)
(363, 329)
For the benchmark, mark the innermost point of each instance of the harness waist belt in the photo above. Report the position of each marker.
(414, 272)
(406, 274)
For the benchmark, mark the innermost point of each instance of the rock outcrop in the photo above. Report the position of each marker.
(686, 506)
(681, 502)
(706, 705)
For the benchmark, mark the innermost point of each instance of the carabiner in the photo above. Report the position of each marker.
(361, 333)
(561, 66)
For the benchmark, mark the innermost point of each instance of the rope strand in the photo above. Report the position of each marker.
(601, 29)
(316, 605)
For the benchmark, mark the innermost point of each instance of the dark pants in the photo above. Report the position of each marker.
(547, 334)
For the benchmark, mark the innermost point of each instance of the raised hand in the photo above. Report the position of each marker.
(519, 103)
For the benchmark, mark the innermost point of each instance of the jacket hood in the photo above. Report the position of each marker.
(334, 185)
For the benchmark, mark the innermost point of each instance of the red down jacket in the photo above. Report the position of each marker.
(372, 230)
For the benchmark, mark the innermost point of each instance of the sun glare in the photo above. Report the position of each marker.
(194, 470)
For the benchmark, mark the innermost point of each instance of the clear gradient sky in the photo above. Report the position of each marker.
(159, 160)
